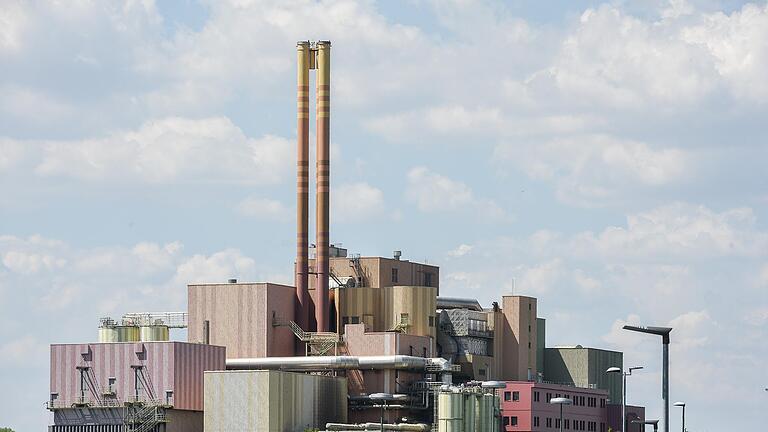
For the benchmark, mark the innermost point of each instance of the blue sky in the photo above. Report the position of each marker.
(605, 157)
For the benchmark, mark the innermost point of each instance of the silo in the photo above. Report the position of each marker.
(496, 413)
(107, 334)
(488, 411)
(470, 402)
(450, 412)
(481, 421)
(127, 333)
(154, 333)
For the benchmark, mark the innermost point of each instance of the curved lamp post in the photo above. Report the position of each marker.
(682, 405)
(561, 401)
(664, 333)
(655, 424)
(623, 392)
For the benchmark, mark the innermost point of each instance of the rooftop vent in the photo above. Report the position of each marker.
(232, 280)
(397, 255)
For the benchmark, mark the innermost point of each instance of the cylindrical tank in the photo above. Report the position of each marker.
(470, 399)
(496, 413)
(481, 423)
(127, 333)
(107, 334)
(153, 333)
(450, 412)
(488, 412)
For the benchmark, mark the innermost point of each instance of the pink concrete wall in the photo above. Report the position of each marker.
(174, 366)
(240, 316)
(526, 408)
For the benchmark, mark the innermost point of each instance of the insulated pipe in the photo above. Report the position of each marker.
(413, 427)
(314, 363)
(458, 303)
(302, 184)
(322, 227)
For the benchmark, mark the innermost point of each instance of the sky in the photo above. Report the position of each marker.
(607, 158)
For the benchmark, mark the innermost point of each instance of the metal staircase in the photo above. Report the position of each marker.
(318, 343)
(144, 418)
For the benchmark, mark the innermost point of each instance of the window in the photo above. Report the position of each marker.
(344, 320)
(516, 396)
(427, 279)
(529, 306)
(355, 320)
(507, 396)
(506, 421)
(411, 350)
(403, 318)
(557, 423)
(567, 424)
(602, 403)
(529, 345)
(431, 321)
(582, 425)
(481, 372)
(425, 352)
(549, 422)
(111, 384)
(536, 422)
(536, 396)
(394, 275)
(513, 421)
(549, 397)
(602, 427)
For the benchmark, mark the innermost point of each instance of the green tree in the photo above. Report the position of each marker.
(2, 429)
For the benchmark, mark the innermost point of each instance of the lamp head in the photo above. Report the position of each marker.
(560, 401)
(679, 404)
(659, 331)
(613, 369)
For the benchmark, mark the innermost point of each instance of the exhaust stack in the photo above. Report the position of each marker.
(313, 57)
(302, 185)
(323, 64)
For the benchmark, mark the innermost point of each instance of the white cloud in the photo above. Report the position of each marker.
(460, 251)
(23, 351)
(356, 201)
(738, 43)
(218, 267)
(13, 19)
(434, 192)
(29, 263)
(597, 169)
(540, 278)
(169, 150)
(264, 208)
(678, 230)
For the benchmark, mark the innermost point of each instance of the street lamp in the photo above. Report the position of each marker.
(382, 398)
(623, 392)
(655, 424)
(681, 404)
(664, 333)
(561, 401)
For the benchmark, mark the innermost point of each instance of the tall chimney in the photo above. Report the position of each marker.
(323, 64)
(302, 186)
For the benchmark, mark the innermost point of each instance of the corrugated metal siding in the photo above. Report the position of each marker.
(272, 401)
(180, 373)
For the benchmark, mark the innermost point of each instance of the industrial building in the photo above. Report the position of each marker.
(584, 367)
(356, 342)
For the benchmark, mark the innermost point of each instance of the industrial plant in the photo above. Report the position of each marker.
(358, 343)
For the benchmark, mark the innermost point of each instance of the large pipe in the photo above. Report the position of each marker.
(302, 184)
(458, 303)
(415, 427)
(313, 363)
(323, 63)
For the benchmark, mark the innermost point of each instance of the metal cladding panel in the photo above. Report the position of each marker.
(167, 369)
(269, 401)
(191, 361)
(240, 317)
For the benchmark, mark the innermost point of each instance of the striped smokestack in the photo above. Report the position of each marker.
(302, 186)
(323, 64)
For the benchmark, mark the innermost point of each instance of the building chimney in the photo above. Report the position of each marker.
(302, 185)
(323, 64)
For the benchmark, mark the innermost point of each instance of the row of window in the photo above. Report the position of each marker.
(427, 277)
(514, 396)
(578, 425)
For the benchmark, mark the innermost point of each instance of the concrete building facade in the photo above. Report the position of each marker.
(272, 401)
(241, 316)
(519, 338)
(525, 407)
(584, 367)
(407, 309)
